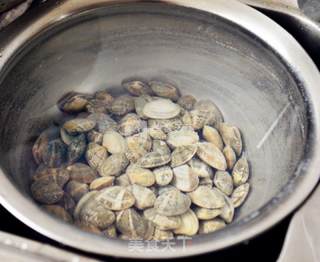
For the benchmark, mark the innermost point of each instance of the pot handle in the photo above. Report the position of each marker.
(288, 14)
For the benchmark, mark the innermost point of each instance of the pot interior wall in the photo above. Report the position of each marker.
(203, 55)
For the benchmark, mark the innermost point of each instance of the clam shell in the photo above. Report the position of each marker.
(79, 125)
(189, 224)
(165, 189)
(101, 182)
(184, 179)
(240, 172)
(231, 136)
(122, 180)
(160, 146)
(227, 213)
(113, 165)
(59, 212)
(230, 157)
(140, 102)
(206, 213)
(154, 159)
(95, 155)
(144, 197)
(115, 198)
(223, 181)
(213, 113)
(182, 155)
(88, 228)
(140, 176)
(210, 134)
(161, 235)
(240, 194)
(186, 119)
(130, 124)
(166, 125)
(96, 106)
(161, 109)
(157, 133)
(104, 97)
(163, 175)
(211, 155)
(46, 191)
(137, 88)
(138, 146)
(172, 203)
(183, 137)
(95, 137)
(131, 224)
(76, 190)
(114, 142)
(122, 105)
(200, 168)
(110, 232)
(103, 122)
(76, 148)
(165, 90)
(55, 154)
(211, 226)
(187, 102)
(206, 181)
(84, 199)
(67, 203)
(73, 102)
(65, 137)
(162, 222)
(82, 173)
(60, 176)
(206, 197)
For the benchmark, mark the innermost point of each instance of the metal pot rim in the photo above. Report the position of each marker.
(281, 205)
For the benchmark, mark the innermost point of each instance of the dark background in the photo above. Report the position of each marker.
(265, 247)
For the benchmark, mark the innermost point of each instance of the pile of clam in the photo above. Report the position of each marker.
(150, 164)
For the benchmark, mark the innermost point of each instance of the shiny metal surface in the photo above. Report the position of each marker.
(259, 76)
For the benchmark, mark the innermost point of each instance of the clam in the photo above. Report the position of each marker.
(166, 125)
(122, 105)
(231, 136)
(122, 180)
(59, 212)
(65, 137)
(110, 232)
(160, 146)
(104, 97)
(88, 228)
(76, 148)
(41, 144)
(227, 212)
(230, 156)
(144, 197)
(138, 146)
(82, 202)
(96, 106)
(166, 90)
(211, 226)
(131, 224)
(95, 137)
(154, 159)
(55, 154)
(114, 142)
(211, 155)
(137, 88)
(189, 224)
(206, 197)
(183, 137)
(60, 176)
(200, 168)
(76, 189)
(140, 176)
(113, 165)
(130, 124)
(96, 214)
(157, 133)
(206, 213)
(161, 221)
(187, 102)
(73, 102)
(213, 113)
(115, 198)
(46, 191)
(82, 173)
(223, 181)
(210, 134)
(184, 179)
(186, 118)
(103, 121)
(161, 109)
(95, 155)
(67, 203)
(163, 175)
(206, 181)
(161, 235)
(240, 172)
(172, 203)
(101, 182)
(140, 102)
(240, 194)
(182, 155)
(79, 125)
(165, 189)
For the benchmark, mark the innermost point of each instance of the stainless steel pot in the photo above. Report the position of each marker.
(257, 73)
